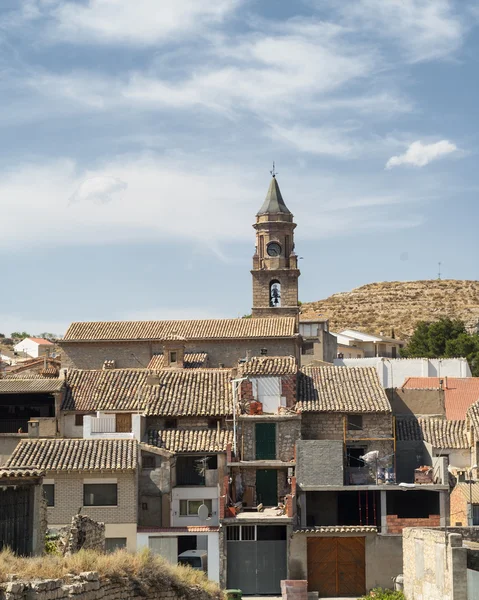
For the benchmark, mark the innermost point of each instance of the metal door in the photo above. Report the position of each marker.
(123, 422)
(267, 487)
(265, 435)
(256, 568)
(336, 566)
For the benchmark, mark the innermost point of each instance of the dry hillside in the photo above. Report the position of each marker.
(399, 305)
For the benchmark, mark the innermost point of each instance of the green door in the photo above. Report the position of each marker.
(267, 487)
(265, 441)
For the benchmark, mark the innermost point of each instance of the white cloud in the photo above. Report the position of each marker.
(424, 29)
(420, 155)
(143, 22)
(101, 189)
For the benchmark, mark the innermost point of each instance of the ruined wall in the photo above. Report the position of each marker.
(82, 534)
(89, 586)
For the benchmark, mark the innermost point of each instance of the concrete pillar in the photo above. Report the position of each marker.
(384, 522)
(302, 504)
(444, 509)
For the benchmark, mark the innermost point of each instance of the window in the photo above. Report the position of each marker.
(355, 422)
(171, 424)
(112, 544)
(213, 423)
(173, 356)
(100, 494)
(264, 352)
(189, 508)
(49, 493)
(149, 462)
(79, 420)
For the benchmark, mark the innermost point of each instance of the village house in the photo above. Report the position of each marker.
(34, 347)
(97, 477)
(352, 343)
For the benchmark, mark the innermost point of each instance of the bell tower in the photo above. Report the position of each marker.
(275, 265)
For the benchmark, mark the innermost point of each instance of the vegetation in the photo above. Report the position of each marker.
(445, 338)
(384, 594)
(143, 566)
(19, 335)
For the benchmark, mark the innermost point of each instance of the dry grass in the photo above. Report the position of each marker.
(141, 566)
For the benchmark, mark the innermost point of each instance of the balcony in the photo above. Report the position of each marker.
(105, 426)
(14, 426)
(365, 476)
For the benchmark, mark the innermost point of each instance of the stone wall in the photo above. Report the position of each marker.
(459, 508)
(434, 565)
(288, 431)
(92, 355)
(417, 402)
(330, 426)
(89, 586)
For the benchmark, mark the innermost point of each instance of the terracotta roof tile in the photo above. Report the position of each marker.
(440, 433)
(339, 529)
(193, 360)
(459, 392)
(41, 341)
(341, 389)
(268, 366)
(31, 386)
(191, 330)
(75, 455)
(191, 440)
(190, 392)
(19, 472)
(187, 529)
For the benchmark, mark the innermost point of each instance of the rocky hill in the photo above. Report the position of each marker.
(399, 305)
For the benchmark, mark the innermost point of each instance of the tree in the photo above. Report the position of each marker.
(19, 335)
(445, 338)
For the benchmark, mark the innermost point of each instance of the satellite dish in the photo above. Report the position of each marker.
(203, 512)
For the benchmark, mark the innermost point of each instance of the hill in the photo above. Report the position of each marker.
(399, 305)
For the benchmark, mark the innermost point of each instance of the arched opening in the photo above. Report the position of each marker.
(275, 294)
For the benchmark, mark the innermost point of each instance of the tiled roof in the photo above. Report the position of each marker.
(192, 360)
(41, 341)
(268, 365)
(341, 389)
(440, 433)
(459, 392)
(467, 489)
(18, 473)
(191, 440)
(187, 529)
(180, 392)
(75, 455)
(30, 386)
(339, 529)
(473, 414)
(191, 330)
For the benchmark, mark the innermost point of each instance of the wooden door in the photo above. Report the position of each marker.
(267, 487)
(336, 566)
(265, 435)
(123, 422)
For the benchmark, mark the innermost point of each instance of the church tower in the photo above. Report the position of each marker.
(275, 265)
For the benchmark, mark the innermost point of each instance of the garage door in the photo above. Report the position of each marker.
(336, 566)
(256, 558)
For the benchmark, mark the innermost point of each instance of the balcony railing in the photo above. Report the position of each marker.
(365, 476)
(103, 424)
(14, 425)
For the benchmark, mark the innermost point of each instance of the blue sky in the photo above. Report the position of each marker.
(137, 139)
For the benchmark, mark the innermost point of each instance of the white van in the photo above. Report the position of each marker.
(196, 559)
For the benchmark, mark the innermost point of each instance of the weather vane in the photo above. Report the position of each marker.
(273, 172)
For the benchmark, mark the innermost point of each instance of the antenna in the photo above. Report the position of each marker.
(273, 171)
(439, 271)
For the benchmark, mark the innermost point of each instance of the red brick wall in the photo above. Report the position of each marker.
(288, 389)
(458, 513)
(396, 525)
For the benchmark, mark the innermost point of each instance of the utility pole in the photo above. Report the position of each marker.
(439, 271)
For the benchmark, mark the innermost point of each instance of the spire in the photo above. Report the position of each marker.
(274, 202)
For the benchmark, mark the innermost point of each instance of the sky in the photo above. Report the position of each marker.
(138, 139)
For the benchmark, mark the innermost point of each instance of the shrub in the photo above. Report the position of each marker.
(384, 594)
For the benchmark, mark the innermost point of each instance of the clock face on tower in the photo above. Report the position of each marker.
(273, 249)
